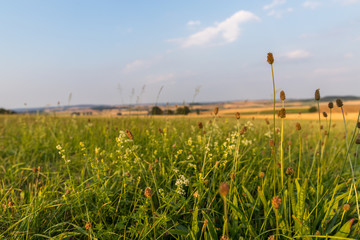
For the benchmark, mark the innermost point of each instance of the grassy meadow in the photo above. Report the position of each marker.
(177, 178)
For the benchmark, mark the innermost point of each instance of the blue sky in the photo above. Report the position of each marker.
(114, 52)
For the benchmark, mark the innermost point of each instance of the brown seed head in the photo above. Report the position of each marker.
(270, 58)
(267, 121)
(262, 175)
(34, 169)
(358, 139)
(317, 94)
(200, 125)
(224, 189)
(243, 130)
(331, 105)
(271, 143)
(282, 95)
(339, 102)
(346, 207)
(148, 192)
(298, 126)
(358, 124)
(129, 134)
(10, 203)
(224, 237)
(237, 115)
(290, 171)
(276, 202)
(283, 113)
(196, 194)
(232, 176)
(161, 131)
(216, 111)
(317, 233)
(206, 181)
(205, 224)
(88, 225)
(325, 114)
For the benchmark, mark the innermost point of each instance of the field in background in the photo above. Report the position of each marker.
(297, 110)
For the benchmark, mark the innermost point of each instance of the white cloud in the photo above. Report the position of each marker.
(135, 65)
(193, 23)
(279, 13)
(160, 78)
(331, 71)
(348, 55)
(347, 2)
(141, 64)
(273, 4)
(311, 4)
(297, 54)
(227, 31)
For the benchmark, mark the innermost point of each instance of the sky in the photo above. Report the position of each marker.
(121, 52)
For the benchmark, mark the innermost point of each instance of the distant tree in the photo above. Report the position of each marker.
(156, 111)
(183, 110)
(312, 109)
(169, 112)
(5, 111)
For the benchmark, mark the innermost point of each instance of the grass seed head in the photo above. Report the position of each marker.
(325, 114)
(317, 233)
(267, 121)
(282, 113)
(358, 125)
(148, 192)
(237, 115)
(298, 126)
(224, 237)
(200, 125)
(224, 189)
(270, 58)
(346, 207)
(88, 225)
(243, 130)
(216, 111)
(262, 175)
(205, 224)
(331, 105)
(276, 202)
(161, 131)
(282, 95)
(358, 139)
(290, 171)
(317, 94)
(129, 134)
(271, 237)
(271, 143)
(339, 102)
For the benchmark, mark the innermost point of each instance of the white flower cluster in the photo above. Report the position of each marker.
(268, 134)
(249, 125)
(192, 165)
(180, 183)
(246, 142)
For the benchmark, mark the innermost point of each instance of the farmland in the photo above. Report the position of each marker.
(177, 178)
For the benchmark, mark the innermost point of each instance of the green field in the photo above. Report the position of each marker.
(80, 178)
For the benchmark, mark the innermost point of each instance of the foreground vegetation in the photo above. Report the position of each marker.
(80, 178)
